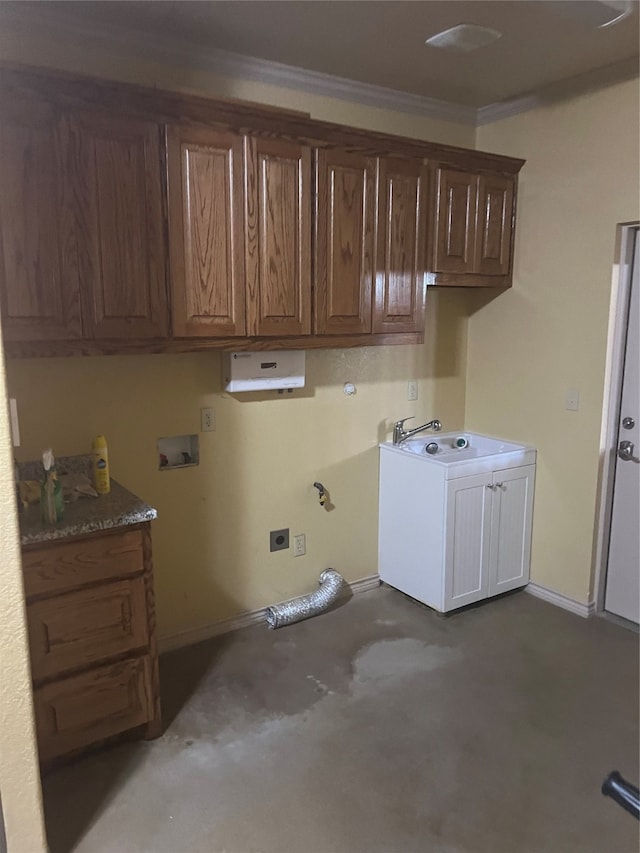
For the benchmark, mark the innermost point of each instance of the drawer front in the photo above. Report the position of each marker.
(82, 628)
(88, 708)
(67, 565)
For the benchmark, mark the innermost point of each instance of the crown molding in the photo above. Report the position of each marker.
(581, 84)
(226, 63)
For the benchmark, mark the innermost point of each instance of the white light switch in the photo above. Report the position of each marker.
(572, 400)
(412, 390)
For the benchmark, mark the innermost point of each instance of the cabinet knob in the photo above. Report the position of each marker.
(490, 486)
(499, 485)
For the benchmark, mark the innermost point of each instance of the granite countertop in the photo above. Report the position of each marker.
(87, 514)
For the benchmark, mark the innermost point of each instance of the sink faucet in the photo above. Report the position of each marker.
(400, 434)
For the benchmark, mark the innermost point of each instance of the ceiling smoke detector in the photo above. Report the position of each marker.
(464, 38)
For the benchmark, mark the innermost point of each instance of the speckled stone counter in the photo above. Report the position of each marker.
(86, 515)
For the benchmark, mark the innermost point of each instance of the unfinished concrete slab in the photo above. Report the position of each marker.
(380, 726)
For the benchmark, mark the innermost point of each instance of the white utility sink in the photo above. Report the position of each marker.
(448, 451)
(481, 453)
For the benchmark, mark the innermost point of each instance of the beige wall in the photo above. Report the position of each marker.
(548, 334)
(19, 773)
(211, 540)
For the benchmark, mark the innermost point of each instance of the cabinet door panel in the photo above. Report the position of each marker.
(455, 229)
(278, 238)
(39, 278)
(87, 708)
(494, 225)
(71, 631)
(511, 528)
(206, 232)
(400, 282)
(345, 244)
(468, 532)
(123, 256)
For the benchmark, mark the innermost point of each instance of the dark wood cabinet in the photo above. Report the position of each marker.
(39, 277)
(278, 237)
(135, 220)
(206, 232)
(402, 231)
(494, 228)
(345, 242)
(121, 233)
(91, 618)
(473, 233)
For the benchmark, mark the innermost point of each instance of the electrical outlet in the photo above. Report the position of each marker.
(299, 545)
(279, 539)
(572, 400)
(412, 390)
(207, 421)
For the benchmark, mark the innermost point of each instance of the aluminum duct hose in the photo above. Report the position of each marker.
(309, 605)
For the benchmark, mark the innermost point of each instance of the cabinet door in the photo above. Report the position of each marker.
(345, 242)
(278, 237)
(39, 279)
(456, 217)
(104, 701)
(494, 225)
(206, 232)
(400, 281)
(467, 545)
(512, 516)
(123, 257)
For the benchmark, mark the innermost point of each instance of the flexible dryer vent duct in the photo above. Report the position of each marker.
(309, 605)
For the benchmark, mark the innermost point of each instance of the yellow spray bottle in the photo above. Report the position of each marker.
(100, 457)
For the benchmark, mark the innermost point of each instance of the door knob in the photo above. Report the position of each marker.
(625, 451)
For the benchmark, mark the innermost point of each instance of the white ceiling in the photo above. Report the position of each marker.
(546, 44)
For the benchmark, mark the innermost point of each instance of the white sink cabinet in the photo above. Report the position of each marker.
(457, 531)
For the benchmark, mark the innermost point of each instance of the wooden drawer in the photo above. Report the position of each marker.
(78, 629)
(63, 566)
(87, 708)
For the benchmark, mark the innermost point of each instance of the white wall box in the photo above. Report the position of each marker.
(262, 371)
(453, 534)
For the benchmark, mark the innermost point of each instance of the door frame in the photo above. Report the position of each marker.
(614, 365)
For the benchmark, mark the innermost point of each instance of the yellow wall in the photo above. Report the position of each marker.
(211, 540)
(19, 773)
(548, 334)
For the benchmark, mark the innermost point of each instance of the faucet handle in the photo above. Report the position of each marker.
(402, 422)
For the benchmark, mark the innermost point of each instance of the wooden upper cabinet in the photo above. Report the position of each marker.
(345, 241)
(400, 281)
(206, 232)
(494, 225)
(474, 227)
(39, 280)
(121, 239)
(277, 237)
(454, 249)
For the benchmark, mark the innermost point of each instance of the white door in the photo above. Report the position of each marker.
(622, 595)
(468, 531)
(511, 519)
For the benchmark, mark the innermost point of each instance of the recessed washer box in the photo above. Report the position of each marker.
(263, 371)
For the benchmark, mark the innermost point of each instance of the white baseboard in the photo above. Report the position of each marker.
(242, 620)
(577, 607)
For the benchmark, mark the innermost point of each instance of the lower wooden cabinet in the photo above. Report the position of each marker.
(92, 639)
(76, 712)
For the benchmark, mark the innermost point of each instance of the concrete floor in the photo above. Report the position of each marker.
(380, 726)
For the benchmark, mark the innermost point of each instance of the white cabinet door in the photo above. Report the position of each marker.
(467, 545)
(511, 518)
